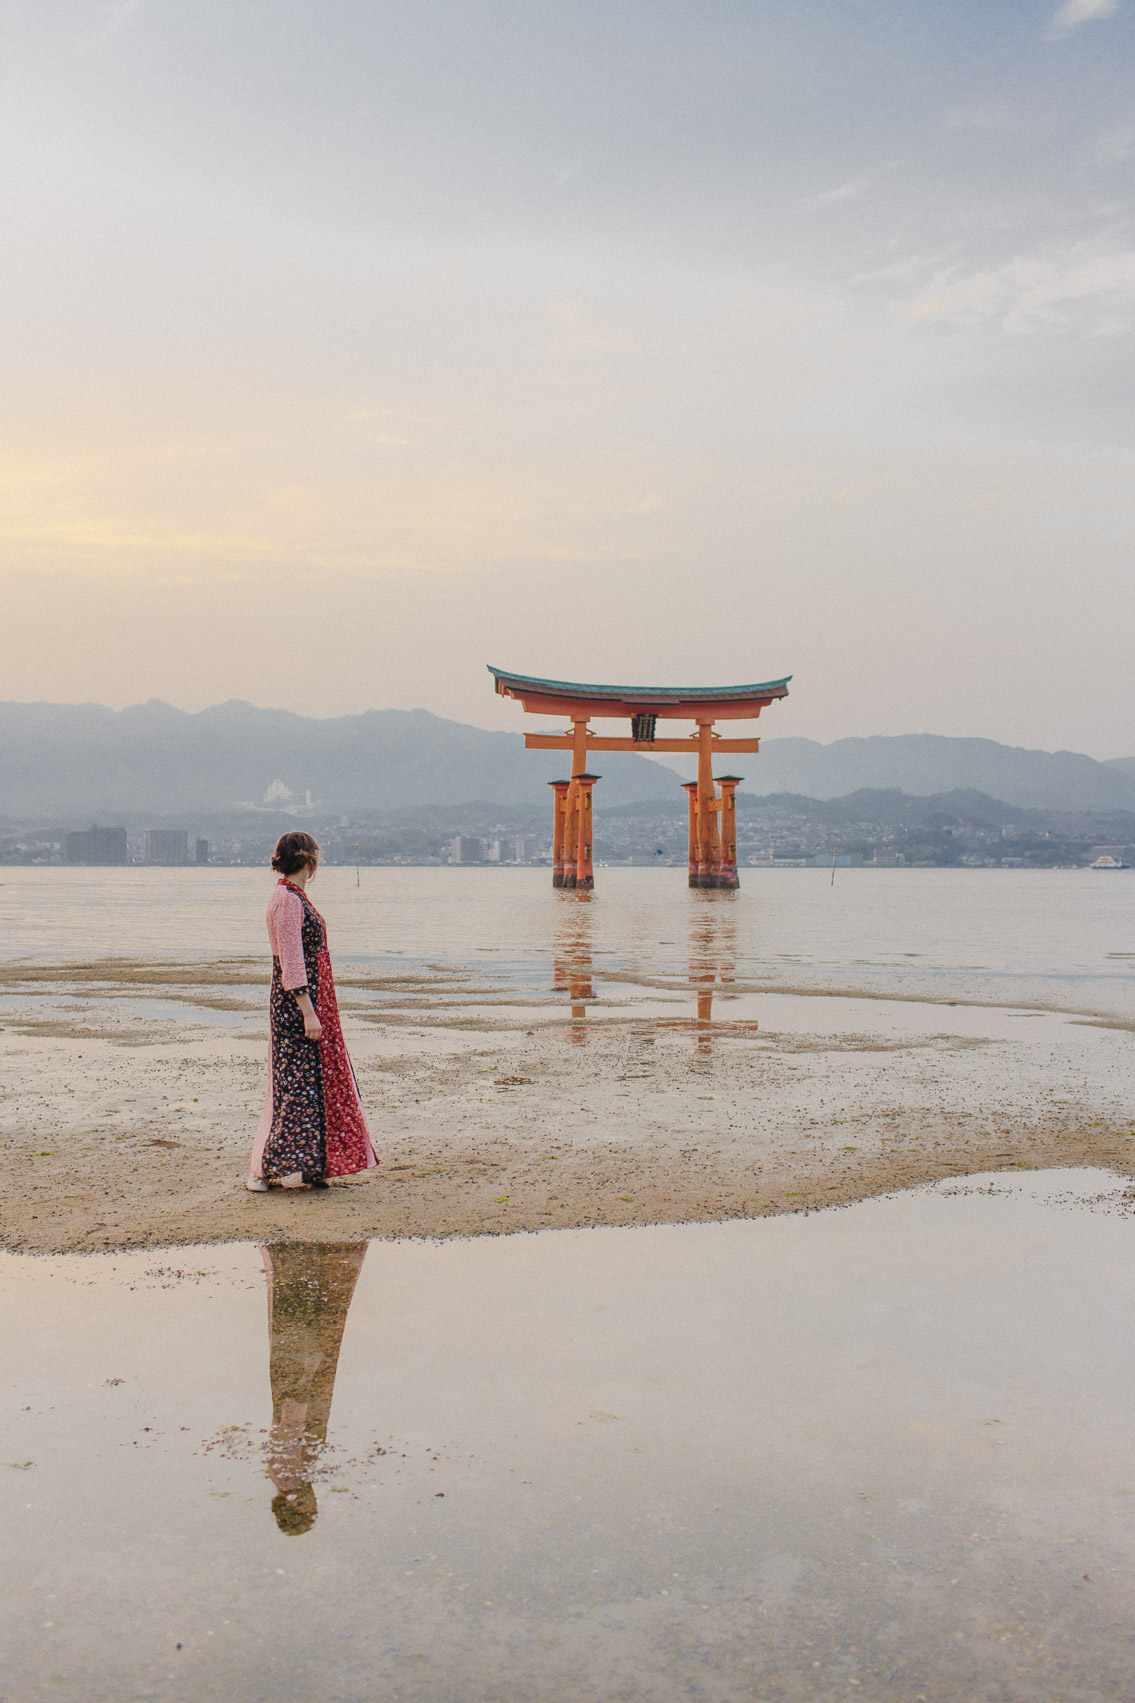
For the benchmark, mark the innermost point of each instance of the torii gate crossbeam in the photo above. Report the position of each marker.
(713, 830)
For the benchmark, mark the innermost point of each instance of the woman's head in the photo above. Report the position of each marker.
(295, 851)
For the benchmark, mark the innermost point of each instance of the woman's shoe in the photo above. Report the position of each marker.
(257, 1185)
(313, 1181)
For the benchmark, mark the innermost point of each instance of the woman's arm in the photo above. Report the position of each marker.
(312, 1027)
(293, 970)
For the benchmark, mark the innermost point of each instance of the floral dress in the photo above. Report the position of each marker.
(313, 1120)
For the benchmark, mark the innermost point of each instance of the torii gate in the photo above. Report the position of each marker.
(713, 842)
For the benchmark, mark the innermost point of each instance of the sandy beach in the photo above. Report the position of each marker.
(131, 1089)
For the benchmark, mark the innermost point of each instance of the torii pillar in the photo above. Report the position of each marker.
(727, 867)
(713, 831)
(559, 821)
(690, 788)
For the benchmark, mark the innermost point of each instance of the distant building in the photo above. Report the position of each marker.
(201, 851)
(466, 849)
(493, 851)
(166, 845)
(97, 845)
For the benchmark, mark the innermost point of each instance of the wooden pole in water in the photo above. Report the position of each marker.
(358, 883)
(835, 849)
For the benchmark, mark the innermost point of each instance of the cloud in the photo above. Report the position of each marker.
(1073, 13)
(852, 189)
(844, 191)
(1089, 292)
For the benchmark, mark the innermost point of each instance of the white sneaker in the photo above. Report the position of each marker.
(256, 1184)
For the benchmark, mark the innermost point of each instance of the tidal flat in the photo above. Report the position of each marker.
(534, 1060)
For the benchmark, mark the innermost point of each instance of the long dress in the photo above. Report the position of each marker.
(313, 1120)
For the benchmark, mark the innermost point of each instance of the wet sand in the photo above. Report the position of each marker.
(131, 1090)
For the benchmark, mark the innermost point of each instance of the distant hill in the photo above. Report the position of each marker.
(923, 763)
(878, 808)
(63, 761)
(79, 760)
(892, 808)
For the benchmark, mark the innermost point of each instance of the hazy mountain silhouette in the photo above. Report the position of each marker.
(922, 763)
(80, 760)
(62, 760)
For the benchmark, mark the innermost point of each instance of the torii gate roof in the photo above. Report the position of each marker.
(569, 697)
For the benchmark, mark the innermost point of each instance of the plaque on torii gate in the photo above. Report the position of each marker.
(712, 817)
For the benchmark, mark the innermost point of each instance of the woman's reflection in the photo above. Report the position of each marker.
(310, 1285)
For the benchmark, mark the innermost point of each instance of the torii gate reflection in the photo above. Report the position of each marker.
(713, 823)
(711, 958)
(571, 966)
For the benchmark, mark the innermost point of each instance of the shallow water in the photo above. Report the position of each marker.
(457, 937)
(884, 1451)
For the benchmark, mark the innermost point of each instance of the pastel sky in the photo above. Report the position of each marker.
(353, 344)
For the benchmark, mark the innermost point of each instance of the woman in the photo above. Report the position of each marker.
(312, 1120)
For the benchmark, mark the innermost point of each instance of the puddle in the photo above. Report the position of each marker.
(884, 1451)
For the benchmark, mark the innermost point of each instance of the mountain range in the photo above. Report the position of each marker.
(83, 760)
(78, 760)
(922, 763)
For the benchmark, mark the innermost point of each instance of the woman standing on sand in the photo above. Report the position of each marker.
(313, 1120)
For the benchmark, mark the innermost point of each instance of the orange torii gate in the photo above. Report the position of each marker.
(713, 822)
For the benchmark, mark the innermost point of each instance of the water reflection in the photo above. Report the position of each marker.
(711, 960)
(310, 1285)
(571, 963)
(712, 956)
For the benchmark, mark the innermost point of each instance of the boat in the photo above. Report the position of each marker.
(1108, 863)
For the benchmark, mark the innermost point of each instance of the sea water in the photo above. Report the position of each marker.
(881, 1452)
(1063, 939)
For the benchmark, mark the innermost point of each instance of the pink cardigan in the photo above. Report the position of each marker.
(285, 935)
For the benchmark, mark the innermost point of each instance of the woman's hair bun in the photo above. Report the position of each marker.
(293, 851)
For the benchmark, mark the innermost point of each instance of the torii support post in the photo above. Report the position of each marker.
(561, 792)
(584, 873)
(579, 737)
(709, 842)
(691, 790)
(728, 876)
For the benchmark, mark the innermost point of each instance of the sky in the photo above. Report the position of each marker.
(353, 345)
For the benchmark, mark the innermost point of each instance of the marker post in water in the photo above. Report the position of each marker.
(358, 883)
(835, 849)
